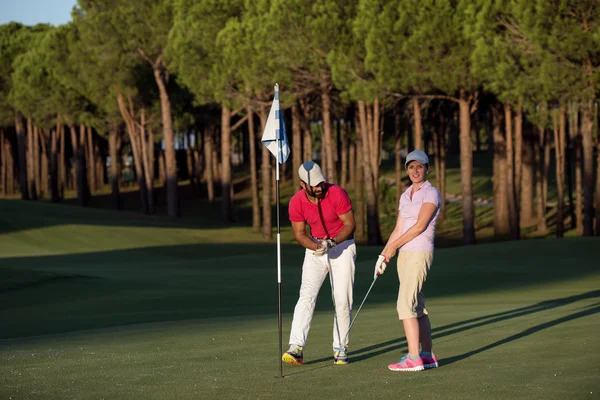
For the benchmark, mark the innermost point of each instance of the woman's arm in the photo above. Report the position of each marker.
(396, 233)
(425, 213)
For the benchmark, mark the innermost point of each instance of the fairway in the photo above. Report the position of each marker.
(97, 304)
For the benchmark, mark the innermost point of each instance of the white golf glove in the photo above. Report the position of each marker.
(326, 244)
(380, 266)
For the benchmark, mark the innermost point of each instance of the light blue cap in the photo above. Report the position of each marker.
(416, 155)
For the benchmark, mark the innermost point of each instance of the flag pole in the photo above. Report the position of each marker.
(277, 161)
(275, 139)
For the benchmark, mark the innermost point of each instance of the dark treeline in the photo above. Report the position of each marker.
(126, 82)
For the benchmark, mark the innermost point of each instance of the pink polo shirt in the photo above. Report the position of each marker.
(336, 203)
(409, 212)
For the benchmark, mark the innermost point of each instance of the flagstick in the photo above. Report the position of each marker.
(279, 267)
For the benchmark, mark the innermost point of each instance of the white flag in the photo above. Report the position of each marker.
(274, 137)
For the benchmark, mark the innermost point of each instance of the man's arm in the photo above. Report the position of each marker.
(299, 229)
(348, 229)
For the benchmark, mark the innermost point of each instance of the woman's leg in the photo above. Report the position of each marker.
(411, 330)
(425, 333)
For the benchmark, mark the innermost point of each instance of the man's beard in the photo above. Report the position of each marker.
(320, 195)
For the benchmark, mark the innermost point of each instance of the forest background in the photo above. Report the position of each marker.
(168, 98)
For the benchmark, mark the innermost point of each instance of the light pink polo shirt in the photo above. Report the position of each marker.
(409, 212)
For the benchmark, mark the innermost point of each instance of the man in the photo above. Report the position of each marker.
(330, 249)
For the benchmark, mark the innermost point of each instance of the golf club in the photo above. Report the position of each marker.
(361, 304)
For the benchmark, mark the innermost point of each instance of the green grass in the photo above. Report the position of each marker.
(99, 304)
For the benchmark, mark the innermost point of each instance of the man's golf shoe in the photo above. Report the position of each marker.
(340, 357)
(293, 356)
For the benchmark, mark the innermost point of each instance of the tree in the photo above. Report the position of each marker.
(141, 29)
(15, 40)
(421, 48)
(565, 32)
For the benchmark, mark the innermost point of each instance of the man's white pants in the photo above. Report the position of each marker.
(340, 260)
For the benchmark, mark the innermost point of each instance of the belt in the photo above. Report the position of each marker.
(348, 238)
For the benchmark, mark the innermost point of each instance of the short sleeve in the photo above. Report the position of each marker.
(432, 196)
(343, 204)
(295, 210)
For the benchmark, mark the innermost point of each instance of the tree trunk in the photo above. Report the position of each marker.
(162, 169)
(352, 164)
(560, 170)
(226, 164)
(91, 160)
(373, 231)
(54, 164)
(31, 171)
(209, 171)
(84, 156)
(528, 163)
(540, 177)
(501, 220)
(297, 145)
(307, 150)
(345, 149)
(62, 170)
(359, 209)
(114, 165)
(518, 150)
(3, 163)
(597, 183)
(588, 169)
(169, 136)
(442, 166)
(253, 171)
(575, 136)
(466, 168)
(76, 166)
(398, 155)
(513, 208)
(375, 139)
(146, 161)
(327, 134)
(9, 163)
(44, 162)
(418, 133)
(189, 158)
(266, 183)
(22, 155)
(135, 143)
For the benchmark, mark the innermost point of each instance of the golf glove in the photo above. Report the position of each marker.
(380, 266)
(326, 244)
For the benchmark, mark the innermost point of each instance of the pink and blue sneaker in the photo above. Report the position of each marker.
(429, 360)
(406, 364)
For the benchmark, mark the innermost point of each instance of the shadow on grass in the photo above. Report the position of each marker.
(168, 283)
(462, 326)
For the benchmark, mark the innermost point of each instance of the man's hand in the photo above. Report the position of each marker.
(380, 266)
(324, 246)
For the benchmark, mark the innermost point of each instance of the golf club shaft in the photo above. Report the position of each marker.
(361, 304)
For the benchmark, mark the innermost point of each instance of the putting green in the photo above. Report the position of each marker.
(96, 304)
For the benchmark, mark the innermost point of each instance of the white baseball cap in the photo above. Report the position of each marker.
(416, 155)
(311, 173)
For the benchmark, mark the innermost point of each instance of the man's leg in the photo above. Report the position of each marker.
(313, 275)
(342, 277)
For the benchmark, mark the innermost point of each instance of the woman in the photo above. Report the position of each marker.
(413, 236)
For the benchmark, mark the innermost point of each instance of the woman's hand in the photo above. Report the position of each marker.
(388, 254)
